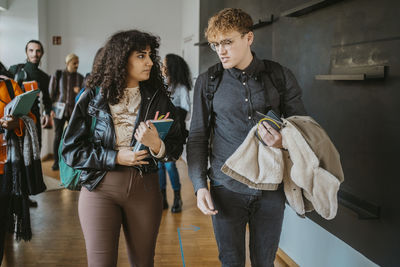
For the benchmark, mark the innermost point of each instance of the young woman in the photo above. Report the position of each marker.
(120, 187)
(178, 77)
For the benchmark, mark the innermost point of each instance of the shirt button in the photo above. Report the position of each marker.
(244, 83)
(249, 117)
(244, 72)
(246, 100)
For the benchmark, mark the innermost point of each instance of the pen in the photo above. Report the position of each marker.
(156, 116)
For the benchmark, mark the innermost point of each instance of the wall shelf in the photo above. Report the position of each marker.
(364, 209)
(353, 73)
(262, 24)
(202, 43)
(258, 25)
(308, 7)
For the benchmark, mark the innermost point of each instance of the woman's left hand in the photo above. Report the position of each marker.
(147, 134)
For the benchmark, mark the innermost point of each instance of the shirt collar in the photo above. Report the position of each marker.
(255, 67)
(30, 65)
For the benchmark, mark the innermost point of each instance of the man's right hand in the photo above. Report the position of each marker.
(204, 202)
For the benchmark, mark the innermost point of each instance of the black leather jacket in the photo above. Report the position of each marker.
(96, 154)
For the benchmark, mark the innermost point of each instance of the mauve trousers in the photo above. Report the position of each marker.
(124, 198)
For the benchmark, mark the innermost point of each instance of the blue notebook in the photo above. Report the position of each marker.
(162, 126)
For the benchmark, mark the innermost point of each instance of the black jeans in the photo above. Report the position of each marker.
(58, 130)
(263, 214)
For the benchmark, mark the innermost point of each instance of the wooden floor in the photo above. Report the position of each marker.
(58, 240)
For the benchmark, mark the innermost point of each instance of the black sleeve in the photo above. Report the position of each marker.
(45, 94)
(53, 88)
(78, 150)
(4, 71)
(174, 139)
(197, 145)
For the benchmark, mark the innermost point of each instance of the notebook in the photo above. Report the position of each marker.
(21, 104)
(162, 126)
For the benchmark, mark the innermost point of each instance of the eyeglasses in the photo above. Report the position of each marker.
(226, 44)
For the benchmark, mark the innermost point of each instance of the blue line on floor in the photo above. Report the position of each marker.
(192, 227)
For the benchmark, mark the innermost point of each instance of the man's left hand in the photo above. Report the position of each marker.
(269, 135)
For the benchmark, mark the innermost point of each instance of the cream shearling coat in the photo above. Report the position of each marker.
(310, 169)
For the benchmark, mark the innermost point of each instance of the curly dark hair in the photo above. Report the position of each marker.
(110, 70)
(178, 71)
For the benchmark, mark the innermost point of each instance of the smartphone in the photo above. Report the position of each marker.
(271, 118)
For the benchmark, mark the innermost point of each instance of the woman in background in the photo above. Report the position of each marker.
(177, 75)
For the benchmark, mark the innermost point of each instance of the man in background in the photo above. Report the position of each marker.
(64, 86)
(30, 71)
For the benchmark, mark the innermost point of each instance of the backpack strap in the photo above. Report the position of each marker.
(10, 88)
(278, 79)
(214, 74)
(19, 68)
(58, 74)
(16, 78)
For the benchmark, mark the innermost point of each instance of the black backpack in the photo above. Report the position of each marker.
(20, 75)
(274, 72)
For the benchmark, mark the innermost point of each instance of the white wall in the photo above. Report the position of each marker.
(3, 5)
(18, 25)
(190, 34)
(310, 245)
(43, 32)
(84, 26)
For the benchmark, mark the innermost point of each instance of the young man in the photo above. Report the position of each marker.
(30, 71)
(64, 86)
(244, 84)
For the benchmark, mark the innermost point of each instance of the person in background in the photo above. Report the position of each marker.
(177, 75)
(30, 71)
(96, 58)
(64, 86)
(120, 186)
(9, 203)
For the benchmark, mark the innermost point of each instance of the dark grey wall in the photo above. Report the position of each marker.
(361, 117)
